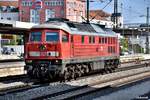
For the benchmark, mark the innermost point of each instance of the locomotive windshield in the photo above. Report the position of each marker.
(35, 36)
(52, 36)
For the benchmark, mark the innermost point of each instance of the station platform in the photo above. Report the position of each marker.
(7, 57)
(11, 68)
(17, 68)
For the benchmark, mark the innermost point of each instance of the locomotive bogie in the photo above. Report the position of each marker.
(69, 69)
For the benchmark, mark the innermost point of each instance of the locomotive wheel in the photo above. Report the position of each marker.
(30, 74)
(82, 69)
(36, 73)
(50, 76)
(86, 70)
(77, 72)
(106, 70)
(66, 75)
(110, 70)
(103, 72)
(72, 74)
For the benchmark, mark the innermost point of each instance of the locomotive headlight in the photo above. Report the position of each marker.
(53, 53)
(28, 61)
(57, 54)
(34, 54)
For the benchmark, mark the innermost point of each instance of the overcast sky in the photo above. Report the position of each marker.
(131, 9)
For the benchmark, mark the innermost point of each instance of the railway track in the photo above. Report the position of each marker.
(13, 78)
(28, 85)
(94, 87)
(11, 60)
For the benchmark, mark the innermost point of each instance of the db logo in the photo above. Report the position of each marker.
(43, 53)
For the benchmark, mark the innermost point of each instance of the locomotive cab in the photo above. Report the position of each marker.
(43, 44)
(45, 50)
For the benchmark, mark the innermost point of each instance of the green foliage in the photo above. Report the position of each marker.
(124, 44)
(137, 48)
(13, 42)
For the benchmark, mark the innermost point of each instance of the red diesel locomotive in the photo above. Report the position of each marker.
(69, 50)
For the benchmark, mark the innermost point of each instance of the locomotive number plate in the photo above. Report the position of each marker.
(43, 53)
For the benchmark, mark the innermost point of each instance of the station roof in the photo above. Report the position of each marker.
(132, 31)
(14, 27)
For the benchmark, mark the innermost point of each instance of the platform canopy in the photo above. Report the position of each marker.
(15, 27)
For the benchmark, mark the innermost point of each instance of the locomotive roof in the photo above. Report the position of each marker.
(78, 28)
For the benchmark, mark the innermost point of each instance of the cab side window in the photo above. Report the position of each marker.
(65, 38)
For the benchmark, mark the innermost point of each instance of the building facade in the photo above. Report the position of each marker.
(8, 11)
(30, 11)
(101, 17)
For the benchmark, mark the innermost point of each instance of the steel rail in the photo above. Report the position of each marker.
(85, 89)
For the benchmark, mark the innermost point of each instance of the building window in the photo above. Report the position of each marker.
(34, 16)
(53, 3)
(23, 4)
(49, 14)
(27, 3)
(31, 3)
